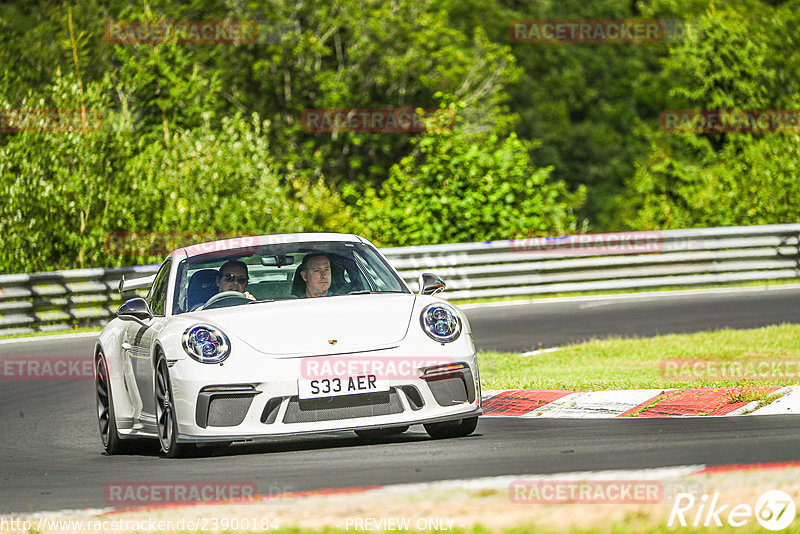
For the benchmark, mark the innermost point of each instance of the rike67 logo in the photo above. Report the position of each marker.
(774, 510)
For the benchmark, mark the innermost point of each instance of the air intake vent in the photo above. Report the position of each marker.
(414, 398)
(449, 391)
(223, 405)
(270, 412)
(452, 388)
(344, 407)
(227, 410)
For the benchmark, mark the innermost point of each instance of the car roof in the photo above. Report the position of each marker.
(257, 241)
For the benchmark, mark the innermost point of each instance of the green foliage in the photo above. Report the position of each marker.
(164, 88)
(582, 101)
(358, 54)
(727, 62)
(98, 198)
(750, 181)
(722, 64)
(60, 187)
(208, 138)
(458, 188)
(223, 179)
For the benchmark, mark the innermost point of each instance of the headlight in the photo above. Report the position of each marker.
(206, 344)
(440, 322)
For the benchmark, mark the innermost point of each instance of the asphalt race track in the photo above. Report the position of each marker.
(556, 322)
(51, 454)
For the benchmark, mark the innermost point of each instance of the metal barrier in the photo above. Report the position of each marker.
(58, 300)
(527, 266)
(615, 261)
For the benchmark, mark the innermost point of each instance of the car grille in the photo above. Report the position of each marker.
(344, 407)
(225, 410)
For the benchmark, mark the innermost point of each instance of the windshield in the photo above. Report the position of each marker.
(282, 271)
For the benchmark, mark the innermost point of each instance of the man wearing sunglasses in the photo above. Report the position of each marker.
(233, 277)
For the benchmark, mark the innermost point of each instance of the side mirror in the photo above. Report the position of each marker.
(430, 284)
(135, 310)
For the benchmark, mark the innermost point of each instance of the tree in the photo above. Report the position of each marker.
(96, 196)
(63, 180)
(729, 61)
(455, 187)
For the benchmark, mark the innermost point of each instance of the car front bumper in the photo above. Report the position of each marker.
(240, 402)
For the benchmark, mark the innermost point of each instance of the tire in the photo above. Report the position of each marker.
(377, 433)
(452, 429)
(166, 422)
(106, 420)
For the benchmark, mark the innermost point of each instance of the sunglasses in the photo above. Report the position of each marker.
(230, 277)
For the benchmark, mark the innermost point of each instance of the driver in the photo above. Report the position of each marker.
(232, 276)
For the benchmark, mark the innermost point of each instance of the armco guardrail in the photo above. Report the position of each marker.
(529, 266)
(616, 261)
(58, 300)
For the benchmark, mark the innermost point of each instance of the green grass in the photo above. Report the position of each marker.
(56, 332)
(635, 363)
(754, 283)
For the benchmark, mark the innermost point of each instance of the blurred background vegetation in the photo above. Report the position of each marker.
(549, 138)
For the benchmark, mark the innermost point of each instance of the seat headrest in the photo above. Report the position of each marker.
(202, 286)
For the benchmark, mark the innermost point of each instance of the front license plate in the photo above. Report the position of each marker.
(340, 385)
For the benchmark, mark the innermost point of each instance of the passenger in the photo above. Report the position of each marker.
(316, 272)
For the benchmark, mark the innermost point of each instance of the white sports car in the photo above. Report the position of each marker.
(279, 335)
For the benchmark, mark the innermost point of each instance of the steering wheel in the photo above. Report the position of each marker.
(224, 295)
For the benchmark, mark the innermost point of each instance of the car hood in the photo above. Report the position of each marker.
(321, 326)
